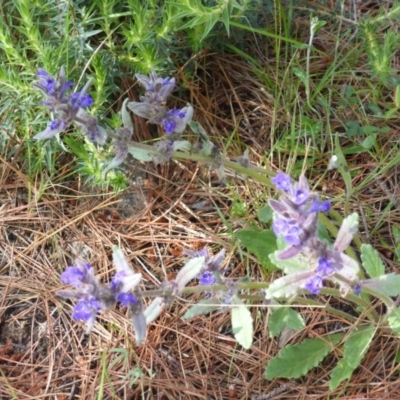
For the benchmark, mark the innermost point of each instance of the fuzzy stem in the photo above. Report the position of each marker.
(264, 285)
(257, 173)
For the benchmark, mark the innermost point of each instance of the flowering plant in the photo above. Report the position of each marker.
(310, 262)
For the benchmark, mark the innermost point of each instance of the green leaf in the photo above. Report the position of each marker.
(388, 285)
(341, 372)
(140, 154)
(396, 234)
(265, 214)
(284, 317)
(301, 74)
(357, 344)
(300, 263)
(182, 145)
(394, 320)
(346, 233)
(261, 244)
(295, 361)
(355, 348)
(397, 96)
(323, 233)
(226, 18)
(391, 112)
(189, 271)
(201, 308)
(371, 261)
(369, 142)
(288, 285)
(242, 323)
(154, 309)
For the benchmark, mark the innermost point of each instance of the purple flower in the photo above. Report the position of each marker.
(157, 88)
(282, 182)
(207, 278)
(314, 285)
(168, 125)
(90, 127)
(76, 276)
(81, 100)
(175, 121)
(324, 267)
(212, 265)
(357, 289)
(320, 207)
(116, 280)
(49, 84)
(91, 295)
(301, 196)
(289, 229)
(54, 127)
(87, 310)
(127, 299)
(68, 108)
(125, 280)
(54, 89)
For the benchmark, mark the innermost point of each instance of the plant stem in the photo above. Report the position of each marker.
(264, 285)
(260, 174)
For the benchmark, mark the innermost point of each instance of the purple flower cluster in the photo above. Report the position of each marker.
(68, 108)
(153, 104)
(295, 220)
(93, 296)
(296, 213)
(210, 272)
(323, 270)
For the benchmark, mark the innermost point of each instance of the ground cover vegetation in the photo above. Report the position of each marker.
(199, 200)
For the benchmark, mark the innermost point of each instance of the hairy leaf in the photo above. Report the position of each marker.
(139, 325)
(284, 317)
(182, 145)
(140, 154)
(341, 372)
(265, 213)
(346, 232)
(242, 323)
(295, 361)
(154, 309)
(261, 244)
(188, 272)
(388, 285)
(371, 261)
(289, 285)
(299, 263)
(355, 347)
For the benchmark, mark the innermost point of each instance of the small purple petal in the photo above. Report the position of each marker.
(301, 196)
(168, 125)
(117, 280)
(357, 289)
(77, 100)
(73, 276)
(320, 207)
(86, 310)
(324, 267)
(57, 125)
(314, 285)
(290, 230)
(127, 299)
(207, 278)
(282, 182)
